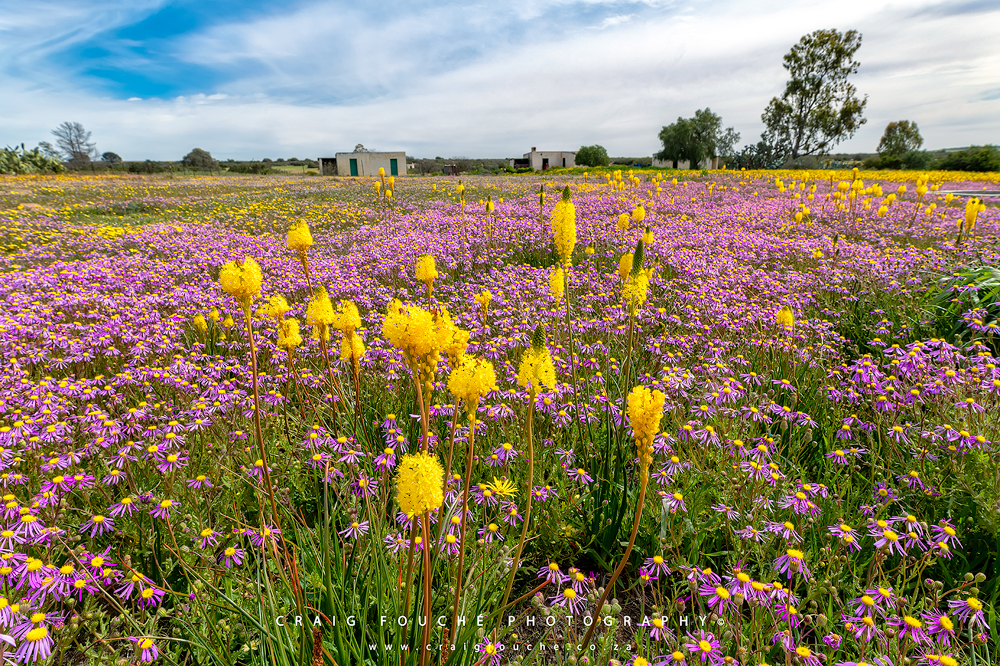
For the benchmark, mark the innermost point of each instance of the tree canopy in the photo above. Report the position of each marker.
(695, 139)
(592, 156)
(200, 159)
(74, 143)
(900, 138)
(819, 107)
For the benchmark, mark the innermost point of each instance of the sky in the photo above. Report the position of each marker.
(247, 79)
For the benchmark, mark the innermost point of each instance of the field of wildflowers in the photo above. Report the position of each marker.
(712, 419)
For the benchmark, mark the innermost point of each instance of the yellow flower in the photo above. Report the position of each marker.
(426, 270)
(971, 213)
(346, 319)
(625, 265)
(563, 225)
(536, 370)
(484, 298)
(409, 328)
(288, 335)
(319, 314)
(502, 487)
(557, 283)
(299, 237)
(200, 324)
(275, 308)
(648, 237)
(352, 348)
(636, 288)
(784, 317)
(214, 315)
(452, 340)
(419, 484)
(241, 280)
(623, 221)
(471, 380)
(645, 409)
(639, 214)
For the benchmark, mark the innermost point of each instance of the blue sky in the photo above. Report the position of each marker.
(248, 79)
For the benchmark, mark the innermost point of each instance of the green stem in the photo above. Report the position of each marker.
(621, 565)
(527, 513)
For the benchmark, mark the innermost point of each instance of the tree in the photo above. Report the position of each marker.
(592, 156)
(762, 155)
(677, 143)
(48, 150)
(695, 139)
(112, 158)
(199, 159)
(74, 143)
(727, 143)
(819, 107)
(899, 138)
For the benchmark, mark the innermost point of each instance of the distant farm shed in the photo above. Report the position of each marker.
(707, 163)
(363, 164)
(540, 160)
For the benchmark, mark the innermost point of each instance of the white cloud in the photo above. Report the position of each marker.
(426, 83)
(614, 20)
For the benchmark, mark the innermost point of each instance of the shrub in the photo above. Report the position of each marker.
(974, 158)
(199, 159)
(17, 160)
(592, 156)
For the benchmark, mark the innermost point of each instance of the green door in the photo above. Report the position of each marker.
(354, 167)
(393, 168)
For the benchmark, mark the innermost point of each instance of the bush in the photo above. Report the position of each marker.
(259, 168)
(17, 160)
(146, 167)
(876, 162)
(199, 159)
(592, 156)
(916, 159)
(919, 160)
(974, 158)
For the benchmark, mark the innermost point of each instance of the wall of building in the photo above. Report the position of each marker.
(369, 163)
(557, 158)
(708, 163)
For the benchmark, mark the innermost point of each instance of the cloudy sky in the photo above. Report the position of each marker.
(249, 79)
